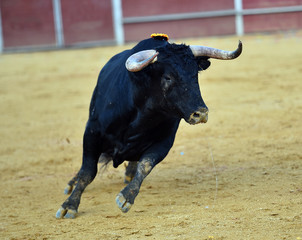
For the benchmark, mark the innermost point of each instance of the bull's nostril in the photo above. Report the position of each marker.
(200, 116)
(196, 115)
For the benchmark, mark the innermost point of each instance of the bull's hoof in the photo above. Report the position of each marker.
(122, 203)
(66, 213)
(68, 189)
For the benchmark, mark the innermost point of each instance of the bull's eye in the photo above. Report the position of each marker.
(168, 79)
(166, 82)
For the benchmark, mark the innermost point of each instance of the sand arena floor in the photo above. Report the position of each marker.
(237, 177)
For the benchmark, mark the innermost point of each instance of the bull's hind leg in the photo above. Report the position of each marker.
(71, 184)
(84, 177)
(130, 172)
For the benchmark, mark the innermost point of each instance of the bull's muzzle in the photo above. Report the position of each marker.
(199, 116)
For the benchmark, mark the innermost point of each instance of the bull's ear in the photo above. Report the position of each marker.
(203, 63)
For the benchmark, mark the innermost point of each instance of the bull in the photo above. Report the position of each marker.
(140, 97)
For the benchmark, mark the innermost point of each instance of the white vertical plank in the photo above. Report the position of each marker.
(239, 17)
(117, 13)
(1, 34)
(58, 22)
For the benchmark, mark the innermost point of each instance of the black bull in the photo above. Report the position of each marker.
(135, 111)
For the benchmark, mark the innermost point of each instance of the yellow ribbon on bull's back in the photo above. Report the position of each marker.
(163, 35)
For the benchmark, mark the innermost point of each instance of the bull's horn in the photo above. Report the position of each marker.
(140, 60)
(216, 53)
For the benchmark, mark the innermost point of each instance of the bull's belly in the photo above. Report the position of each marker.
(129, 144)
(129, 151)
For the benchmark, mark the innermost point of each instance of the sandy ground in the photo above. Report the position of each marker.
(237, 177)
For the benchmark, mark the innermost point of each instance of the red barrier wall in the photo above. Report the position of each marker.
(135, 8)
(178, 28)
(27, 23)
(248, 4)
(272, 22)
(87, 21)
(182, 28)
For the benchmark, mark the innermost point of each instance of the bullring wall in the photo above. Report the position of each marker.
(43, 24)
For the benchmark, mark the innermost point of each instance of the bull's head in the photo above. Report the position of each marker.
(176, 70)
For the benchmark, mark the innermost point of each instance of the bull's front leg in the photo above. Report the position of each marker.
(125, 198)
(130, 172)
(154, 155)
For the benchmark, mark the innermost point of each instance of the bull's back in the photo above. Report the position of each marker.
(111, 98)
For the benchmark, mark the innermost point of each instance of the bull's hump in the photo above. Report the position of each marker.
(149, 43)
